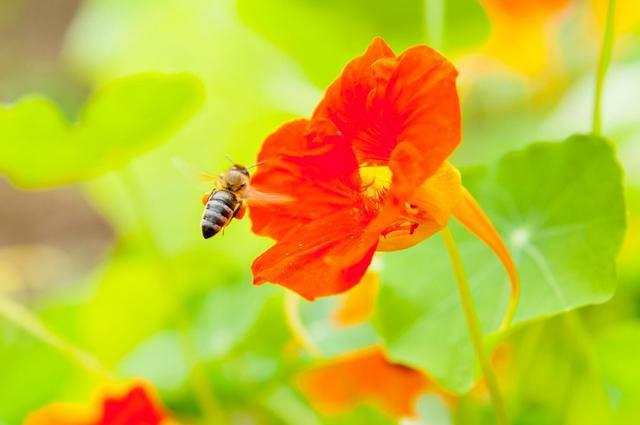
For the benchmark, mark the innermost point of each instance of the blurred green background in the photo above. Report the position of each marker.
(99, 230)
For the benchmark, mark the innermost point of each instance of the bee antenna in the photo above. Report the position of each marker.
(257, 164)
(230, 159)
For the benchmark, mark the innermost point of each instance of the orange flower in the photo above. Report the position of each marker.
(530, 26)
(135, 404)
(367, 172)
(366, 376)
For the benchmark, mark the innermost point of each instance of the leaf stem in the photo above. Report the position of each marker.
(475, 330)
(294, 321)
(33, 325)
(603, 64)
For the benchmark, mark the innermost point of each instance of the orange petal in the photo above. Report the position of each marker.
(366, 376)
(433, 203)
(357, 304)
(523, 11)
(421, 102)
(528, 25)
(398, 111)
(469, 213)
(62, 414)
(319, 179)
(327, 256)
(440, 194)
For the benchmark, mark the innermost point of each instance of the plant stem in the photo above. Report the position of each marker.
(292, 314)
(32, 324)
(475, 330)
(603, 64)
(434, 10)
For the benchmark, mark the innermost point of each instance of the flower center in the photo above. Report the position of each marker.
(376, 180)
(412, 224)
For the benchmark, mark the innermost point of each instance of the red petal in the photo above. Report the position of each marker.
(135, 407)
(135, 403)
(364, 377)
(402, 111)
(318, 178)
(324, 257)
(346, 98)
(421, 96)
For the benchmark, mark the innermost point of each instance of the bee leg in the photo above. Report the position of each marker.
(240, 212)
(205, 197)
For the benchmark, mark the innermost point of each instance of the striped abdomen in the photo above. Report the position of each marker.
(218, 212)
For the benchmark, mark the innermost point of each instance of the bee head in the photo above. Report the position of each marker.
(236, 178)
(240, 168)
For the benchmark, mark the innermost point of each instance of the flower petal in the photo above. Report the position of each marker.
(61, 414)
(317, 178)
(324, 257)
(365, 376)
(430, 207)
(439, 194)
(137, 406)
(469, 213)
(357, 304)
(402, 111)
(421, 97)
(345, 101)
(133, 403)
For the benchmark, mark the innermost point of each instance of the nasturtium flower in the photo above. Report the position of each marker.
(368, 171)
(531, 26)
(133, 404)
(366, 376)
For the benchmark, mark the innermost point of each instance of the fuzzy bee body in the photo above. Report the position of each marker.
(225, 201)
(220, 209)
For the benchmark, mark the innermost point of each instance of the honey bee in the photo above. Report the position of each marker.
(225, 201)
(229, 196)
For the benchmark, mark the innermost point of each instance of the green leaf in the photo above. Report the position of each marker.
(324, 36)
(227, 315)
(125, 118)
(559, 208)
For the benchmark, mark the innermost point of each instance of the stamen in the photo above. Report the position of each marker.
(375, 181)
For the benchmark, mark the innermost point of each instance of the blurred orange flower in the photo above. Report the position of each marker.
(366, 376)
(367, 172)
(522, 33)
(133, 404)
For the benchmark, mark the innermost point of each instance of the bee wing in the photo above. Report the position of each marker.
(258, 198)
(193, 173)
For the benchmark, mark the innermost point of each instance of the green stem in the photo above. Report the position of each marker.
(434, 10)
(292, 315)
(199, 383)
(603, 64)
(475, 330)
(30, 323)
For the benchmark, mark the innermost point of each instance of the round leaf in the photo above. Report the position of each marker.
(560, 209)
